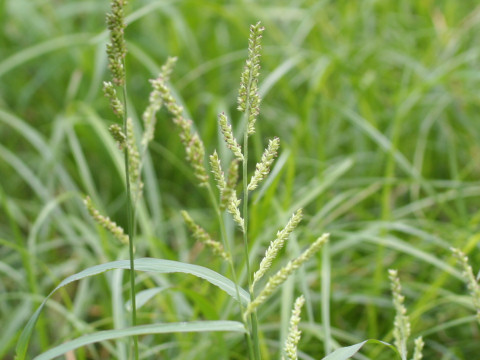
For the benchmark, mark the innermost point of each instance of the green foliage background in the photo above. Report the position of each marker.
(376, 104)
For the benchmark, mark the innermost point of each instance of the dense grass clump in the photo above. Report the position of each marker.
(375, 105)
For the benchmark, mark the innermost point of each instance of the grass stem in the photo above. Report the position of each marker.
(130, 221)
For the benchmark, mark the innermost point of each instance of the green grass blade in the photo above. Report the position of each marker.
(348, 351)
(43, 48)
(195, 326)
(144, 264)
(142, 297)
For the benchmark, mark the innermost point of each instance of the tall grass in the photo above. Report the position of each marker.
(375, 105)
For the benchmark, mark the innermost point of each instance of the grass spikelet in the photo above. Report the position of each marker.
(193, 145)
(229, 189)
(263, 167)
(248, 97)
(202, 236)
(105, 222)
(117, 49)
(118, 135)
(279, 278)
(134, 161)
(233, 208)
(293, 332)
(417, 352)
(401, 330)
(277, 245)
(155, 103)
(111, 94)
(230, 140)
(217, 171)
(469, 278)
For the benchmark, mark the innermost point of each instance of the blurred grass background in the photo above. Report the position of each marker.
(376, 104)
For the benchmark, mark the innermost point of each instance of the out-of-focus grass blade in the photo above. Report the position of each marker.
(142, 297)
(37, 50)
(348, 351)
(312, 191)
(195, 326)
(326, 280)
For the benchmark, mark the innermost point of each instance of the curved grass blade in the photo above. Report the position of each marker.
(195, 326)
(144, 264)
(348, 351)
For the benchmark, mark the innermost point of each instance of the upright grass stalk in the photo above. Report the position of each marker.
(130, 230)
(116, 51)
(248, 102)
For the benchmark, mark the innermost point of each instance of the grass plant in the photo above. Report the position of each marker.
(375, 105)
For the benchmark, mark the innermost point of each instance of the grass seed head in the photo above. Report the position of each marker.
(248, 97)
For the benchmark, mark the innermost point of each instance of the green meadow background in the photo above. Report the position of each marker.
(377, 107)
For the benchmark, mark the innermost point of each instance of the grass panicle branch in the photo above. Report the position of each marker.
(134, 161)
(294, 333)
(277, 245)
(155, 103)
(263, 167)
(233, 207)
(117, 48)
(229, 192)
(115, 103)
(217, 171)
(230, 140)
(279, 278)
(401, 330)
(195, 151)
(470, 280)
(203, 237)
(118, 135)
(105, 222)
(418, 349)
(248, 97)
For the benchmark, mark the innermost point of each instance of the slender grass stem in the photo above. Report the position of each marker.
(226, 243)
(253, 316)
(130, 221)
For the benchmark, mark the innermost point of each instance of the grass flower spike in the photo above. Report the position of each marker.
(417, 352)
(401, 330)
(134, 161)
(263, 167)
(279, 278)
(217, 171)
(111, 94)
(118, 135)
(248, 97)
(106, 222)
(469, 278)
(155, 103)
(117, 49)
(193, 145)
(293, 332)
(228, 136)
(233, 208)
(277, 245)
(202, 236)
(229, 190)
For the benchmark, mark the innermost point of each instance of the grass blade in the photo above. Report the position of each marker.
(195, 326)
(144, 264)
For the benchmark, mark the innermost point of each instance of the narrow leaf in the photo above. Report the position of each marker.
(144, 264)
(195, 326)
(348, 351)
